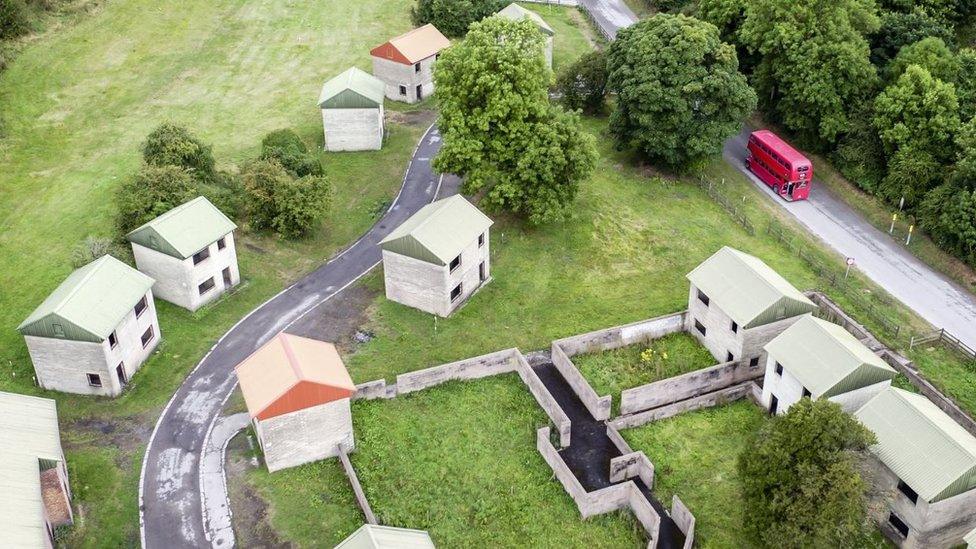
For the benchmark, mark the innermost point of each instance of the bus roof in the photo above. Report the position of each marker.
(783, 148)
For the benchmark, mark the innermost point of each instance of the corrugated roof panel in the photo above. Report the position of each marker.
(747, 289)
(516, 12)
(90, 303)
(184, 230)
(439, 231)
(352, 89)
(826, 358)
(922, 445)
(413, 46)
(970, 539)
(371, 536)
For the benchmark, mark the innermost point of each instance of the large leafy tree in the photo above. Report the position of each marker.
(815, 60)
(948, 213)
(966, 83)
(279, 202)
(290, 151)
(172, 145)
(801, 479)
(583, 85)
(899, 29)
(453, 17)
(153, 191)
(679, 90)
(930, 53)
(500, 132)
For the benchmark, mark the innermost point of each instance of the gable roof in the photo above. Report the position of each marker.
(30, 441)
(413, 46)
(516, 12)
(439, 231)
(826, 358)
(922, 445)
(371, 536)
(291, 373)
(352, 89)
(184, 230)
(90, 303)
(747, 289)
(970, 538)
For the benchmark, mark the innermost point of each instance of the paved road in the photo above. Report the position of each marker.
(171, 514)
(609, 15)
(940, 301)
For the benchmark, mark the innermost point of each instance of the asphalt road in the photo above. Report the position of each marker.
(609, 15)
(170, 512)
(932, 295)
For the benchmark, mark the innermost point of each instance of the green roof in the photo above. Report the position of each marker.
(353, 89)
(371, 536)
(970, 539)
(29, 443)
(439, 231)
(922, 445)
(90, 303)
(184, 230)
(826, 358)
(516, 12)
(747, 289)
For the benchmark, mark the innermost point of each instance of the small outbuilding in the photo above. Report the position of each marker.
(297, 392)
(737, 304)
(819, 359)
(516, 12)
(405, 64)
(94, 331)
(372, 536)
(438, 257)
(35, 495)
(190, 252)
(352, 111)
(928, 461)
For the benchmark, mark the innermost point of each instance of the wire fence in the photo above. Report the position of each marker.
(733, 210)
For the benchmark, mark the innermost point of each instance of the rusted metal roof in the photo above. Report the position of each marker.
(409, 48)
(291, 373)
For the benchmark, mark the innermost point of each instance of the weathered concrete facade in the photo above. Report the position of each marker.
(179, 280)
(64, 365)
(406, 83)
(788, 390)
(428, 286)
(306, 435)
(353, 129)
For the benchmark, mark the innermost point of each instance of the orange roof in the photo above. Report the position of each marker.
(291, 373)
(413, 46)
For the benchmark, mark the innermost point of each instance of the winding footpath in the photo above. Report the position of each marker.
(171, 513)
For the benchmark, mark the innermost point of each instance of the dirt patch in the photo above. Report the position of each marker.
(338, 319)
(252, 524)
(127, 435)
(421, 118)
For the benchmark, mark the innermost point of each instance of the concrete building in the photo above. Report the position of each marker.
(438, 257)
(406, 63)
(35, 495)
(372, 536)
(737, 304)
(928, 462)
(819, 359)
(190, 252)
(516, 12)
(352, 111)
(297, 391)
(94, 331)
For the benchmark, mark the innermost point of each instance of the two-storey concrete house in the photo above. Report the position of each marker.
(928, 462)
(297, 392)
(406, 63)
(190, 252)
(818, 359)
(737, 304)
(35, 495)
(438, 257)
(94, 331)
(516, 12)
(352, 111)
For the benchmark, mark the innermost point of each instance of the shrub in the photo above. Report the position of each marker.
(153, 191)
(583, 85)
(900, 29)
(948, 213)
(92, 248)
(453, 17)
(291, 152)
(278, 202)
(14, 18)
(172, 145)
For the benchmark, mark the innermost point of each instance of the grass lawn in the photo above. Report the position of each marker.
(610, 372)
(694, 456)
(573, 34)
(471, 477)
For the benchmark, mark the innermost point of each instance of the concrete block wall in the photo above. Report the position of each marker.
(545, 399)
(621, 336)
(598, 406)
(307, 435)
(373, 390)
(491, 364)
(787, 389)
(692, 384)
(353, 129)
(395, 74)
(632, 465)
(709, 400)
(684, 520)
(178, 280)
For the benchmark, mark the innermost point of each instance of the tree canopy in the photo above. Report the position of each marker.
(279, 202)
(290, 151)
(583, 85)
(930, 53)
(172, 145)
(899, 29)
(500, 132)
(920, 112)
(679, 90)
(453, 17)
(153, 191)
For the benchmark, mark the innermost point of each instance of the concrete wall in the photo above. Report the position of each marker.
(373, 390)
(306, 435)
(787, 389)
(632, 465)
(621, 336)
(178, 280)
(684, 520)
(395, 74)
(549, 41)
(353, 129)
(63, 365)
(599, 407)
(427, 286)
(685, 386)
(491, 364)
(717, 398)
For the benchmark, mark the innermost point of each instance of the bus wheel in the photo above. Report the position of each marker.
(776, 189)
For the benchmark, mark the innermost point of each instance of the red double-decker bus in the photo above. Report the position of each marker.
(779, 165)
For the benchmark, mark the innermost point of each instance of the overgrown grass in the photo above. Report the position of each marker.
(573, 34)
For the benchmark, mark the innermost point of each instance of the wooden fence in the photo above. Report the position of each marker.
(947, 339)
(740, 217)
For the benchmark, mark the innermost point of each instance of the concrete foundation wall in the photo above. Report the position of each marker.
(353, 129)
(632, 465)
(684, 520)
(692, 384)
(395, 74)
(621, 336)
(598, 406)
(64, 365)
(709, 400)
(178, 280)
(491, 364)
(306, 435)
